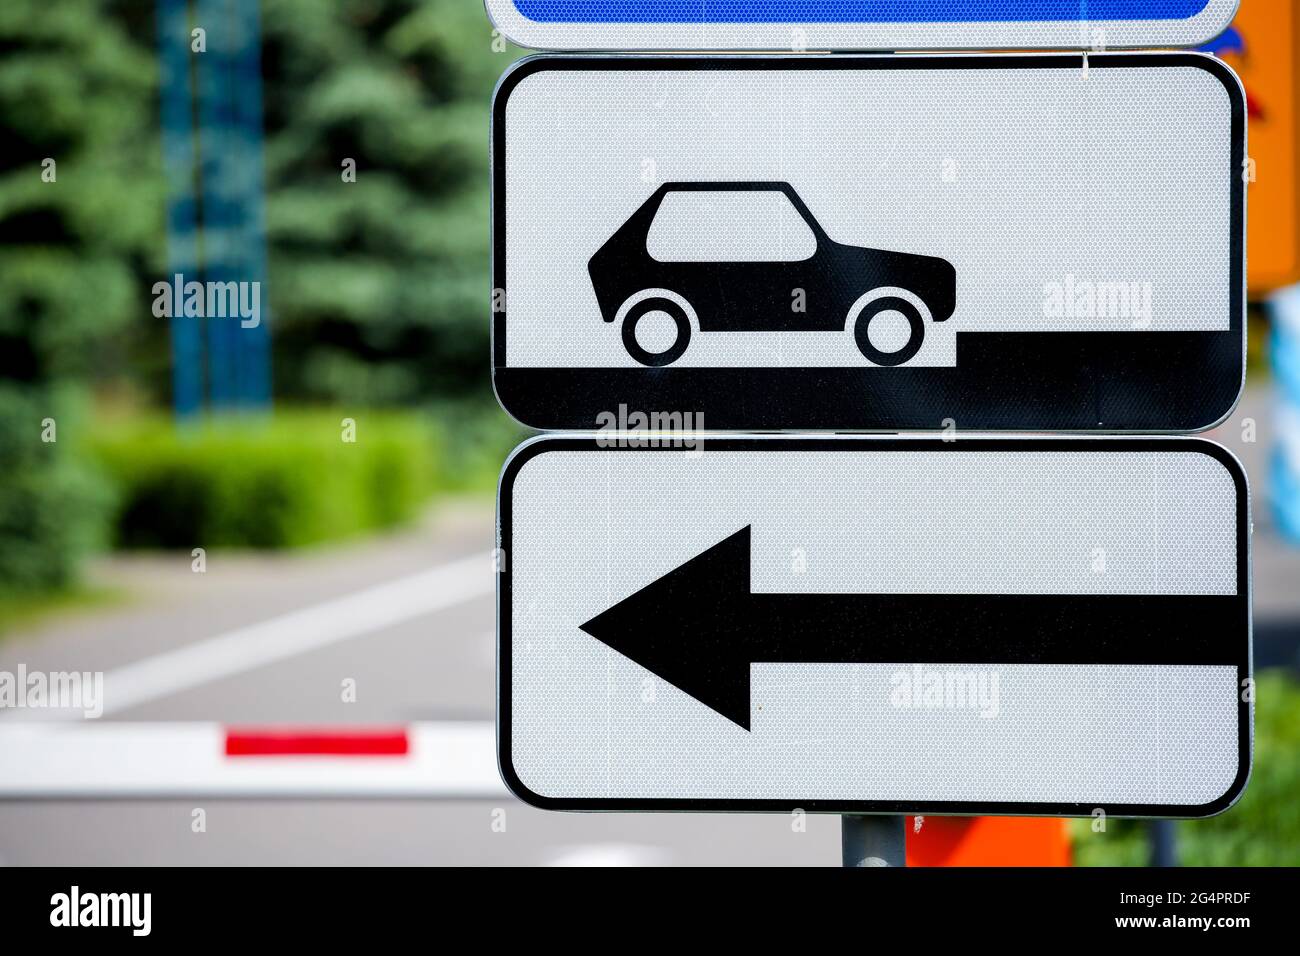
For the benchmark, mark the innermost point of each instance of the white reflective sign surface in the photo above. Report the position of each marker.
(1015, 626)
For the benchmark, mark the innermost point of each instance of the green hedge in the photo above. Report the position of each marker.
(53, 505)
(286, 480)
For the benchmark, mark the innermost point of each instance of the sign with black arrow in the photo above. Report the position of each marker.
(700, 627)
(875, 624)
(871, 242)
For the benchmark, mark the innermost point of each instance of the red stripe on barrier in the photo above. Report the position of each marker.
(297, 742)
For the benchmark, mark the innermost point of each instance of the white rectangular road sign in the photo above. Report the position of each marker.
(1026, 626)
(872, 243)
(802, 25)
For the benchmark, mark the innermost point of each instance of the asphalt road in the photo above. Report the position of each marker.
(434, 666)
(437, 666)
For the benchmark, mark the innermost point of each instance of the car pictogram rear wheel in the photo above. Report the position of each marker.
(877, 307)
(639, 311)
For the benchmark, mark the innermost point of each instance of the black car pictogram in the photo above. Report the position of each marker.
(844, 287)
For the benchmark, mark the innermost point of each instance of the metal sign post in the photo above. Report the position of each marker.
(873, 841)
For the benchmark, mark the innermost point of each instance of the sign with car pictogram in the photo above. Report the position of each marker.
(825, 25)
(832, 276)
(872, 624)
(884, 243)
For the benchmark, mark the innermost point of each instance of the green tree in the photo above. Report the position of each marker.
(80, 219)
(379, 286)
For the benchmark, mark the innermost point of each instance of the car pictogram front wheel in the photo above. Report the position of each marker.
(878, 307)
(682, 338)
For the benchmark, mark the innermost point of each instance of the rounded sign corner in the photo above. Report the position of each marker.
(505, 19)
(508, 409)
(516, 786)
(1229, 407)
(514, 74)
(1212, 21)
(1231, 796)
(528, 449)
(1224, 73)
(1223, 455)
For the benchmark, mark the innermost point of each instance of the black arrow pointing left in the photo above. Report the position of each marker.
(700, 627)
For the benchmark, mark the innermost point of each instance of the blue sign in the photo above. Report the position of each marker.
(859, 24)
(852, 11)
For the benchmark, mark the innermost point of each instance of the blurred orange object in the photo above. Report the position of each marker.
(1262, 47)
(987, 841)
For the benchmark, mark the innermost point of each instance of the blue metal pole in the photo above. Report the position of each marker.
(220, 208)
(255, 369)
(182, 200)
(1164, 843)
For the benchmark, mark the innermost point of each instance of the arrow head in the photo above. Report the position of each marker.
(692, 627)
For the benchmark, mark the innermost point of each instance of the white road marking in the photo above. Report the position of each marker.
(278, 638)
(127, 759)
(610, 854)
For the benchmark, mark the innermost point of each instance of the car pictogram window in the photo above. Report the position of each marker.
(749, 226)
